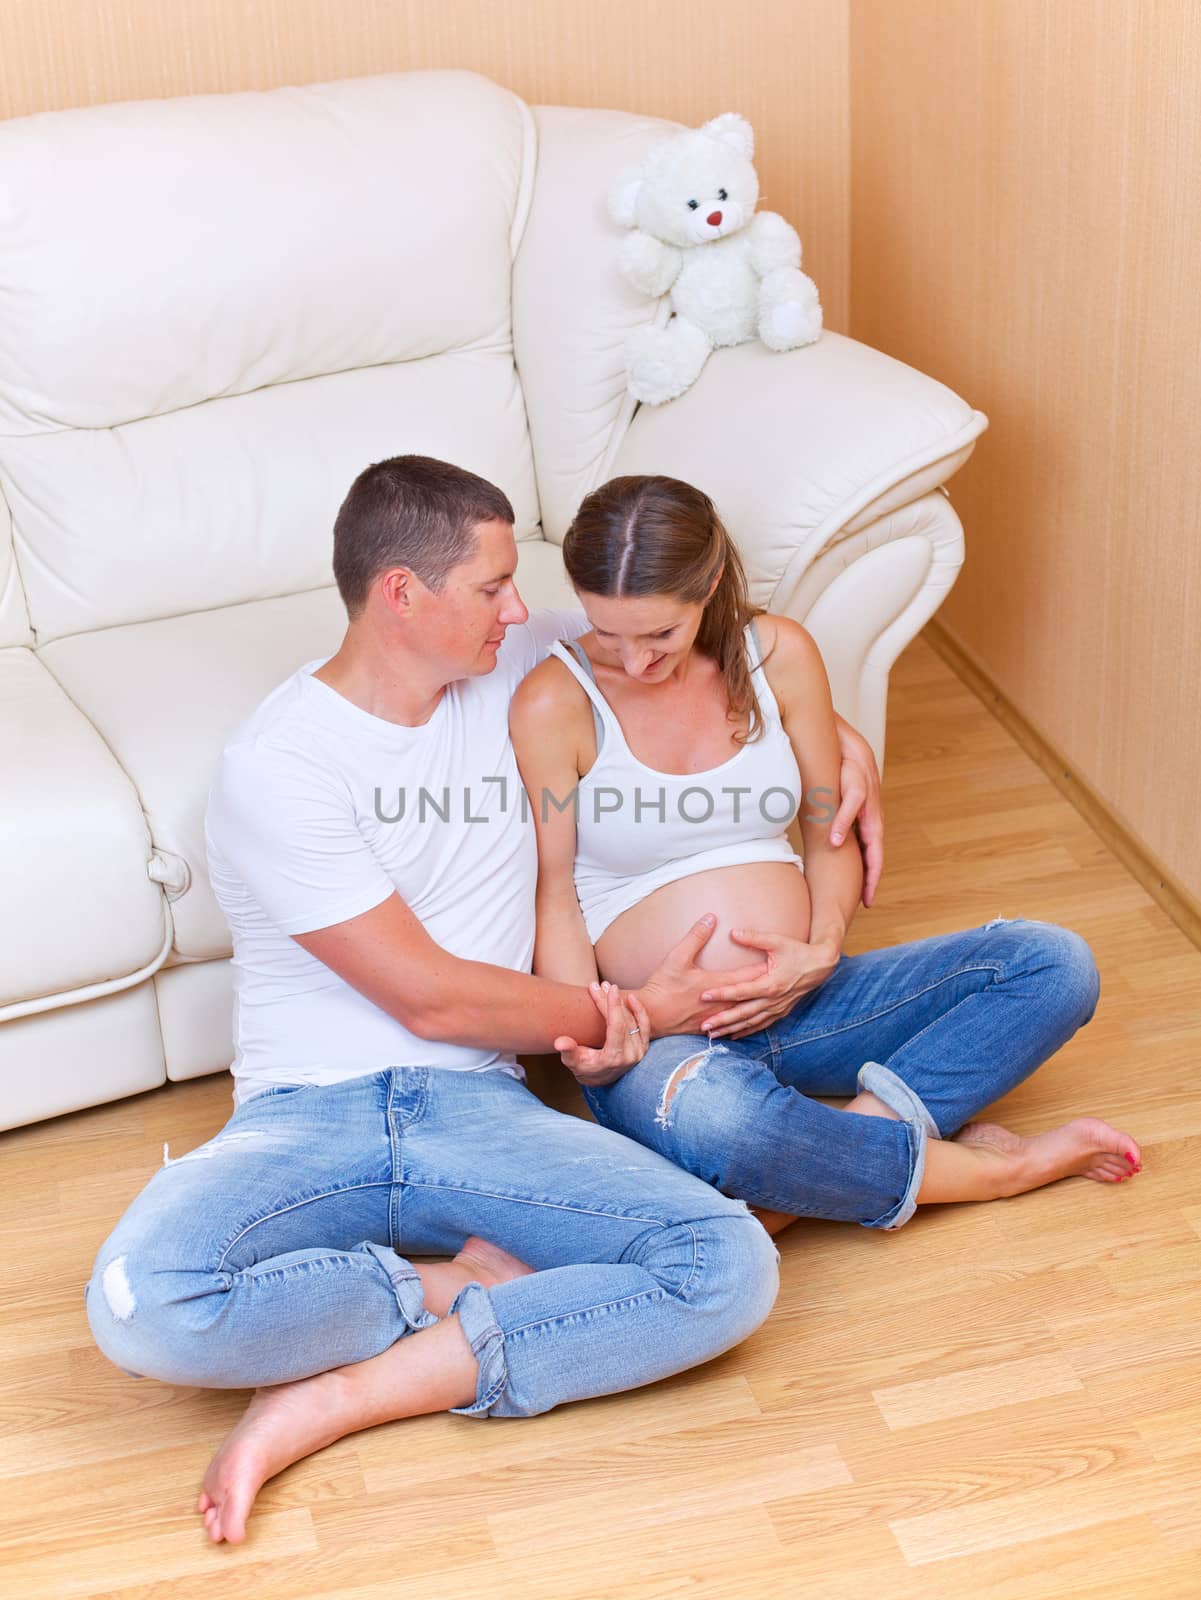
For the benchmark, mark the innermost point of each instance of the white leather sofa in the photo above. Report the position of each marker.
(213, 313)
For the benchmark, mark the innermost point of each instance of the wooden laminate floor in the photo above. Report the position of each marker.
(997, 1403)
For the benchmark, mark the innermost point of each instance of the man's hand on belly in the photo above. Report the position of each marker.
(672, 993)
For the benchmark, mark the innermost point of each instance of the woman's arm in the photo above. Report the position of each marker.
(797, 677)
(548, 720)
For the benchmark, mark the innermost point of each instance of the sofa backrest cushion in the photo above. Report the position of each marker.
(572, 308)
(14, 617)
(215, 310)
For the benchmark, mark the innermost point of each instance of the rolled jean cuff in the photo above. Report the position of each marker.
(896, 1095)
(482, 1331)
(920, 1127)
(907, 1204)
(406, 1286)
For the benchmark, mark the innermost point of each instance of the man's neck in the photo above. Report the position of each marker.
(387, 683)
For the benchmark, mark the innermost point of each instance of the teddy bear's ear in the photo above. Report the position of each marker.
(733, 130)
(623, 201)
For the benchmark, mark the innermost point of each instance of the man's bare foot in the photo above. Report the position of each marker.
(773, 1221)
(280, 1426)
(428, 1371)
(477, 1262)
(1085, 1148)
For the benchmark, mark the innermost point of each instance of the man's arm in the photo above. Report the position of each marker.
(387, 955)
(289, 835)
(287, 831)
(861, 805)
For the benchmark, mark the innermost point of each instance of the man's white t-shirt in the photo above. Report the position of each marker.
(320, 811)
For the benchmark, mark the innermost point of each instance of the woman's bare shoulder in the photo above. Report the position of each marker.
(549, 690)
(786, 644)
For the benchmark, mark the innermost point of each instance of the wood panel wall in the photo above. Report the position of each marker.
(781, 63)
(1026, 227)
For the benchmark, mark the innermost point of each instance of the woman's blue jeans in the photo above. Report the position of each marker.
(277, 1250)
(937, 1029)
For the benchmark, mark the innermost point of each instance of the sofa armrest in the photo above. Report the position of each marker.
(801, 448)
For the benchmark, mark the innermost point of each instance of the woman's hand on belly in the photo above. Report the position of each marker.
(770, 894)
(793, 968)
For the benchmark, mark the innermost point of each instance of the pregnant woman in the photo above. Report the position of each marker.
(666, 753)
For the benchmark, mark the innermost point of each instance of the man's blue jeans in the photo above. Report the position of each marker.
(277, 1250)
(936, 1029)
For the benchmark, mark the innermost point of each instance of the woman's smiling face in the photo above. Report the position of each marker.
(646, 635)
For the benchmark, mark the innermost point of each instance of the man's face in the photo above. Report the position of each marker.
(464, 625)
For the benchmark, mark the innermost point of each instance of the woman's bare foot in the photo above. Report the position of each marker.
(1085, 1148)
(477, 1262)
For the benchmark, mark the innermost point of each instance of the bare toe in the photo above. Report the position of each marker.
(1084, 1148)
(1090, 1148)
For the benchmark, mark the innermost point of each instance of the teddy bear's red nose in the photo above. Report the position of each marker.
(714, 219)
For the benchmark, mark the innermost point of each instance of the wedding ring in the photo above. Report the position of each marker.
(633, 1031)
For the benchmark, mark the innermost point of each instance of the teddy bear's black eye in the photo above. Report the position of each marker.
(722, 195)
(692, 205)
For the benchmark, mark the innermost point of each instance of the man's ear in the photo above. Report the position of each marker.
(396, 587)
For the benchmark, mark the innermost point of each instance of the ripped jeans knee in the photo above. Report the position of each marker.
(684, 1073)
(724, 1115)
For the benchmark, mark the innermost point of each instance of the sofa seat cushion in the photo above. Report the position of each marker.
(166, 695)
(79, 908)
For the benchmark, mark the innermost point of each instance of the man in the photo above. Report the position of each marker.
(370, 849)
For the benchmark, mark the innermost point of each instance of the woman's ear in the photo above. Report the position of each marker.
(721, 572)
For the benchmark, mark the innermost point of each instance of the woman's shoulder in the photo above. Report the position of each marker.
(792, 663)
(550, 689)
(789, 642)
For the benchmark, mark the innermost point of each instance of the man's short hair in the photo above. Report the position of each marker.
(410, 511)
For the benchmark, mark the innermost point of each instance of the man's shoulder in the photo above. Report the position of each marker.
(280, 736)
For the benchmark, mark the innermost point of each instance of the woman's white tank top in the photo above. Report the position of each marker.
(638, 828)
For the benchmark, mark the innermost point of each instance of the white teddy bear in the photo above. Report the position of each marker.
(733, 273)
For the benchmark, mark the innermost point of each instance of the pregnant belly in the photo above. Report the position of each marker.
(769, 896)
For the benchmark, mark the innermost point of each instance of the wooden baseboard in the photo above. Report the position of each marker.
(1183, 907)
